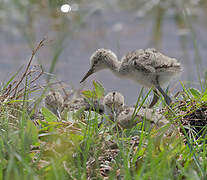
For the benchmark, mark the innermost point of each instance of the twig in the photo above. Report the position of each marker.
(41, 44)
(39, 75)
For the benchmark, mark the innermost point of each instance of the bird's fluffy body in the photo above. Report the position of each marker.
(54, 102)
(147, 67)
(115, 108)
(113, 103)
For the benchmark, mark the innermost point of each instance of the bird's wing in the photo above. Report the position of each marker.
(161, 62)
(139, 60)
(150, 61)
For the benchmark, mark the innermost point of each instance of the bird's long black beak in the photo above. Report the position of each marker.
(87, 75)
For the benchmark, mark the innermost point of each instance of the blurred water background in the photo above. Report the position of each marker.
(175, 27)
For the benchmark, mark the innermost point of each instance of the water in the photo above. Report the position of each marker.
(85, 31)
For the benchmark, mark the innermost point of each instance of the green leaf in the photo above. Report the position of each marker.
(196, 93)
(50, 127)
(42, 123)
(48, 115)
(204, 97)
(76, 138)
(31, 132)
(17, 101)
(99, 90)
(205, 78)
(88, 94)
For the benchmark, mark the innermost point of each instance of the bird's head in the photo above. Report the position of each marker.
(113, 103)
(99, 60)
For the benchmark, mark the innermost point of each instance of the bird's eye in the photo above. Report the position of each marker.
(135, 63)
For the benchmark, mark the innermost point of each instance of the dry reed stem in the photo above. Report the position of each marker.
(41, 44)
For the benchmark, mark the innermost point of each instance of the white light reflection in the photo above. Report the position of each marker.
(65, 8)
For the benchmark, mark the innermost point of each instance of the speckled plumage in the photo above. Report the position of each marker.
(148, 67)
(123, 114)
(54, 102)
(113, 103)
(81, 103)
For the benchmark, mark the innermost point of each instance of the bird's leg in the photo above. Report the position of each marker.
(167, 98)
(155, 98)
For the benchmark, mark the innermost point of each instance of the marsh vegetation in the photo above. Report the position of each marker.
(36, 143)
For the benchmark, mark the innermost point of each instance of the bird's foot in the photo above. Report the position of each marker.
(155, 99)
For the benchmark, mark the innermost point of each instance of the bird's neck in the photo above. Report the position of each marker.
(113, 64)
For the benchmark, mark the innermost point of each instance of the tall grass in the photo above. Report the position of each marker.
(77, 148)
